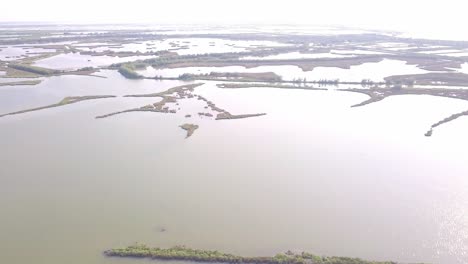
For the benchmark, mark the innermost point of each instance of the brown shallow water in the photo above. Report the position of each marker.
(312, 175)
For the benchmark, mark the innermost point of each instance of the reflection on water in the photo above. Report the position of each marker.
(313, 174)
(452, 230)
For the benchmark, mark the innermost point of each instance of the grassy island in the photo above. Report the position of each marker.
(190, 128)
(234, 76)
(188, 254)
(32, 82)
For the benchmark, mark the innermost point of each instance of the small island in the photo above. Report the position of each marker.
(182, 253)
(190, 128)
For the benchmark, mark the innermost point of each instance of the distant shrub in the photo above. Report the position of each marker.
(32, 69)
(128, 72)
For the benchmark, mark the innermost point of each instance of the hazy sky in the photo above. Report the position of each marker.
(424, 16)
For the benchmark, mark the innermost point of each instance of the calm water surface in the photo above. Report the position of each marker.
(73, 61)
(313, 174)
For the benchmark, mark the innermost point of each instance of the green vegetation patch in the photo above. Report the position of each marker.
(234, 76)
(33, 69)
(188, 254)
(32, 82)
(128, 71)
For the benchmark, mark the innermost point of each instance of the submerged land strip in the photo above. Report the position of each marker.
(19, 83)
(181, 253)
(378, 94)
(267, 85)
(170, 100)
(19, 70)
(65, 101)
(442, 59)
(444, 121)
(169, 103)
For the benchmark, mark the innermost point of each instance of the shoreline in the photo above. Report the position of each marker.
(182, 253)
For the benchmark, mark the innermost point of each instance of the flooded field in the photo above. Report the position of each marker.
(73, 61)
(127, 137)
(372, 71)
(14, 53)
(184, 46)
